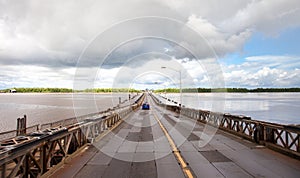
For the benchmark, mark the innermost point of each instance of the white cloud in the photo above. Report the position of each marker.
(212, 10)
(35, 76)
(264, 71)
(271, 58)
(48, 36)
(55, 29)
(268, 16)
(221, 42)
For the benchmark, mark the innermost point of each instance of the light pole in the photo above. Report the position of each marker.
(180, 83)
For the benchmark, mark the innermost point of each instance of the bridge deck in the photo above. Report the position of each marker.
(139, 147)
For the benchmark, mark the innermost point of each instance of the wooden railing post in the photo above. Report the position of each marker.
(24, 124)
(298, 146)
(270, 135)
(18, 127)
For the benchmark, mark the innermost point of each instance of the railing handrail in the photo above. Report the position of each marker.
(280, 137)
(50, 124)
(237, 117)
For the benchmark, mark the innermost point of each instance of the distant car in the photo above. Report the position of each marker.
(145, 106)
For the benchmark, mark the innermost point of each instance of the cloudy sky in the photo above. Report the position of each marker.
(117, 43)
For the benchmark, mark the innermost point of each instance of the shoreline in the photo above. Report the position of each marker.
(66, 93)
(7, 93)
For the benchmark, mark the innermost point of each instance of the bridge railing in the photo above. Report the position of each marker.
(13, 133)
(64, 122)
(34, 154)
(282, 138)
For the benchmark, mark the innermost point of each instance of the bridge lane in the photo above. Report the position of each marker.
(139, 148)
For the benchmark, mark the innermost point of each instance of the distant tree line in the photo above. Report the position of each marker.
(168, 90)
(230, 90)
(109, 90)
(40, 90)
(67, 90)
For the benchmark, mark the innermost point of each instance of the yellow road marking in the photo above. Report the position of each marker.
(175, 150)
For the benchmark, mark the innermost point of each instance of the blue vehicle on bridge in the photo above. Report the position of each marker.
(145, 106)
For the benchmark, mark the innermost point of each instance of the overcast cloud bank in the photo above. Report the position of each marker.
(41, 41)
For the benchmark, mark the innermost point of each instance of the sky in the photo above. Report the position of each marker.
(116, 43)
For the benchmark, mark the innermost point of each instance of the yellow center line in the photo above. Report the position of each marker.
(175, 150)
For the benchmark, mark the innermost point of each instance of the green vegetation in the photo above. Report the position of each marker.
(276, 90)
(40, 90)
(109, 90)
(168, 90)
(230, 90)
(67, 90)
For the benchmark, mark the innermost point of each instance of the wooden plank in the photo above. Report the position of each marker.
(90, 171)
(143, 169)
(230, 169)
(214, 156)
(205, 170)
(100, 159)
(118, 168)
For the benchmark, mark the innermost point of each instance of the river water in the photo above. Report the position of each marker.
(281, 108)
(45, 108)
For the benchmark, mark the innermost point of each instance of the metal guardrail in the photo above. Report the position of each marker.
(66, 122)
(281, 138)
(34, 154)
(13, 133)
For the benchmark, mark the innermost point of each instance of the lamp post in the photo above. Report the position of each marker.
(180, 83)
